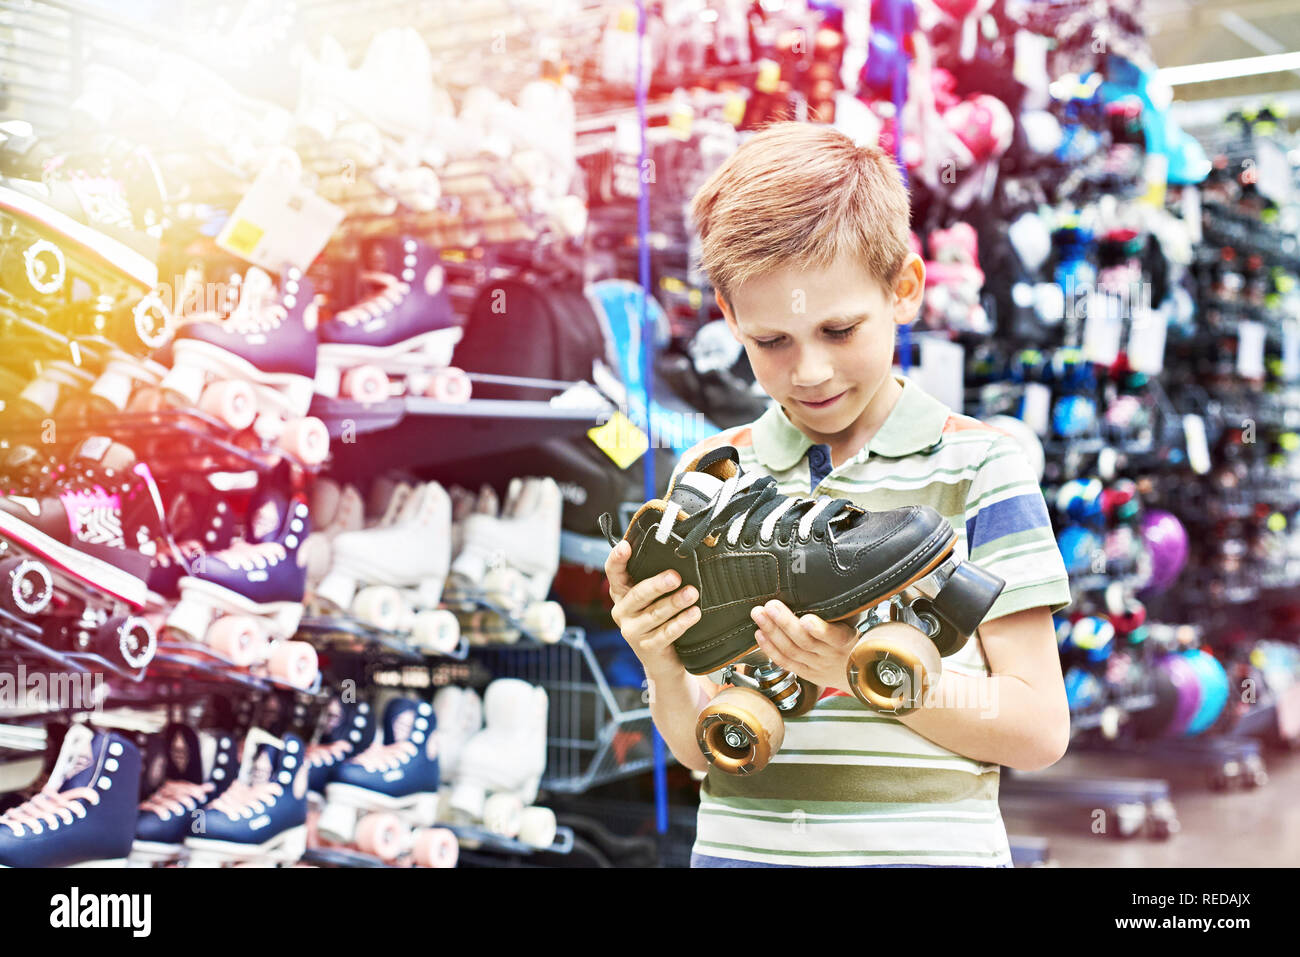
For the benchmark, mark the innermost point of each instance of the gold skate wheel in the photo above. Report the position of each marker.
(740, 731)
(807, 698)
(382, 835)
(892, 667)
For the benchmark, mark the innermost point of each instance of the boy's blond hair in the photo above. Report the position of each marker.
(801, 194)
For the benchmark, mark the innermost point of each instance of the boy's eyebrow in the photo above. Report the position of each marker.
(841, 320)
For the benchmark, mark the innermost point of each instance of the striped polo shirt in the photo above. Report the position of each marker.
(852, 787)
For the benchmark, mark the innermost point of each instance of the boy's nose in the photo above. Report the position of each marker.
(811, 370)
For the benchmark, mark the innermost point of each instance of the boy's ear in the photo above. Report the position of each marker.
(909, 290)
(726, 314)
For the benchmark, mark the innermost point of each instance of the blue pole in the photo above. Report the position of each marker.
(647, 363)
(900, 99)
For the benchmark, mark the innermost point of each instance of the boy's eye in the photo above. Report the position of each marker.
(769, 343)
(841, 333)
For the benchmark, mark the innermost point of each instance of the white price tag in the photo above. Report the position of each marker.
(942, 371)
(280, 222)
(1037, 413)
(1198, 449)
(1290, 350)
(1146, 341)
(1250, 349)
(1103, 329)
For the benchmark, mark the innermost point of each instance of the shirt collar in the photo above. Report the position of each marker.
(914, 424)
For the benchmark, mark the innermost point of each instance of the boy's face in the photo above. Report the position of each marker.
(821, 341)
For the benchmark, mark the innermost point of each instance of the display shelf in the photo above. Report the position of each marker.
(26, 638)
(477, 838)
(1133, 803)
(414, 432)
(188, 656)
(365, 639)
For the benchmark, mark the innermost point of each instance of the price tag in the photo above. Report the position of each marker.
(1103, 329)
(1290, 350)
(1198, 449)
(942, 370)
(280, 222)
(620, 439)
(1146, 341)
(1037, 412)
(1250, 349)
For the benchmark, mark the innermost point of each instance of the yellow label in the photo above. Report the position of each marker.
(627, 19)
(680, 120)
(733, 111)
(241, 237)
(769, 75)
(696, 298)
(620, 439)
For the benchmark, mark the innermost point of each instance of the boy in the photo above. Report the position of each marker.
(805, 237)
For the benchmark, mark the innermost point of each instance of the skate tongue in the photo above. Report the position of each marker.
(79, 759)
(694, 490)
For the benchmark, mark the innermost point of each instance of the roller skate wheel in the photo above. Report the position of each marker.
(740, 731)
(450, 385)
(365, 384)
(506, 587)
(240, 639)
(28, 586)
(435, 847)
(382, 835)
(128, 639)
(380, 606)
(437, 631)
(537, 827)
(147, 398)
(546, 621)
(307, 440)
(233, 402)
(892, 667)
(503, 815)
(295, 663)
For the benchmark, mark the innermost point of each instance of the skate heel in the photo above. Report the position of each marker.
(426, 809)
(337, 823)
(292, 846)
(297, 395)
(337, 589)
(113, 387)
(190, 619)
(41, 396)
(185, 382)
(468, 799)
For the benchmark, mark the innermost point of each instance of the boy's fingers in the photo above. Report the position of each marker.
(643, 593)
(784, 620)
(674, 629)
(668, 606)
(616, 570)
(780, 647)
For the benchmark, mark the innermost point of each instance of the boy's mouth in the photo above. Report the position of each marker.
(820, 403)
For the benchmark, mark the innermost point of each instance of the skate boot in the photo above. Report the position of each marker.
(85, 814)
(75, 555)
(349, 730)
(740, 543)
(403, 566)
(405, 329)
(245, 601)
(334, 510)
(512, 560)
(200, 766)
(262, 817)
(460, 717)
(379, 796)
(256, 368)
(500, 768)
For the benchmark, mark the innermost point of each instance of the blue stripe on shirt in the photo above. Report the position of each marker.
(1011, 515)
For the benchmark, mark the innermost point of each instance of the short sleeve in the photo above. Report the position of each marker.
(1009, 532)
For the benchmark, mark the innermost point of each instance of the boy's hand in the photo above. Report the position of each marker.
(815, 650)
(650, 622)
